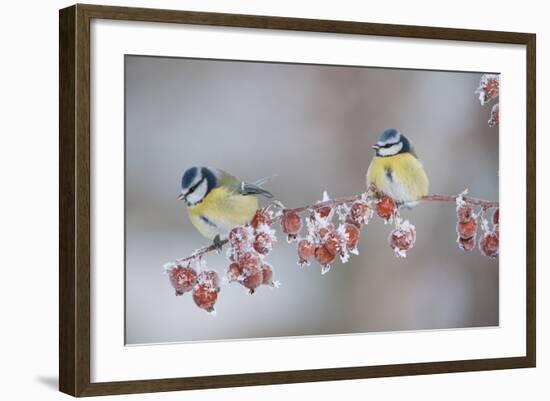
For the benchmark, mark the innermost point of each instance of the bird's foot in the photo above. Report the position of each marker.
(218, 243)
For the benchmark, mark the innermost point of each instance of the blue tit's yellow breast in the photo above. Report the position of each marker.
(222, 209)
(401, 176)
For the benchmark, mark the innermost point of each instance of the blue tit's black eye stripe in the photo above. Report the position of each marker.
(188, 177)
(211, 179)
(192, 189)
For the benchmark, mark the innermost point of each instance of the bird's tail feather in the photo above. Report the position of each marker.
(264, 180)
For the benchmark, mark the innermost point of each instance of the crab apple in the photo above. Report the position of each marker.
(359, 214)
(335, 242)
(488, 244)
(385, 207)
(183, 279)
(210, 278)
(292, 224)
(467, 244)
(467, 229)
(496, 216)
(263, 243)
(205, 297)
(323, 255)
(324, 211)
(464, 213)
(267, 274)
(234, 271)
(253, 277)
(249, 260)
(260, 217)
(323, 232)
(238, 237)
(353, 234)
(305, 251)
(488, 88)
(402, 238)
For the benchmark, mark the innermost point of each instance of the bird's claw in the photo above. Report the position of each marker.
(218, 243)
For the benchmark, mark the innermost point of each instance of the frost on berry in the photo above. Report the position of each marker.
(252, 277)
(464, 213)
(466, 226)
(183, 279)
(488, 244)
(385, 207)
(352, 235)
(306, 250)
(488, 88)
(249, 259)
(240, 240)
(239, 236)
(291, 223)
(323, 231)
(324, 211)
(209, 278)
(402, 238)
(466, 244)
(205, 297)
(250, 268)
(267, 274)
(336, 241)
(262, 243)
(264, 239)
(260, 217)
(495, 116)
(467, 229)
(324, 257)
(234, 272)
(360, 213)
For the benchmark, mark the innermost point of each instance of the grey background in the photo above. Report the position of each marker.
(313, 126)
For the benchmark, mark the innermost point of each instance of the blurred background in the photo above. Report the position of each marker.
(313, 126)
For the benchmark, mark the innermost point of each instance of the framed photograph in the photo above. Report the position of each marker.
(249, 200)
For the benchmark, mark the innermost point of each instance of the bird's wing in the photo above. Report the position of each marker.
(247, 188)
(255, 188)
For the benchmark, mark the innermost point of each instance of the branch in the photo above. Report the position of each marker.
(467, 199)
(332, 203)
(322, 241)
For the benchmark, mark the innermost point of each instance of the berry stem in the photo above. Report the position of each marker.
(201, 251)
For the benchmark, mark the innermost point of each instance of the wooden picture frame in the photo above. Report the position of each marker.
(74, 200)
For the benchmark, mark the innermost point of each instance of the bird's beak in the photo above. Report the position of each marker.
(375, 147)
(181, 196)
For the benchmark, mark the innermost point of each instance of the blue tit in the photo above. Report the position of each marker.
(395, 169)
(217, 201)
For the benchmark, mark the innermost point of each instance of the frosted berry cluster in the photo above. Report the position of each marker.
(467, 228)
(248, 246)
(204, 286)
(324, 239)
(487, 91)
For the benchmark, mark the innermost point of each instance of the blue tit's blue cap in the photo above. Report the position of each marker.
(189, 176)
(389, 136)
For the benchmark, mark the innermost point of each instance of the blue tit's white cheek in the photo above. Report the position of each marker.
(198, 194)
(195, 181)
(392, 150)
